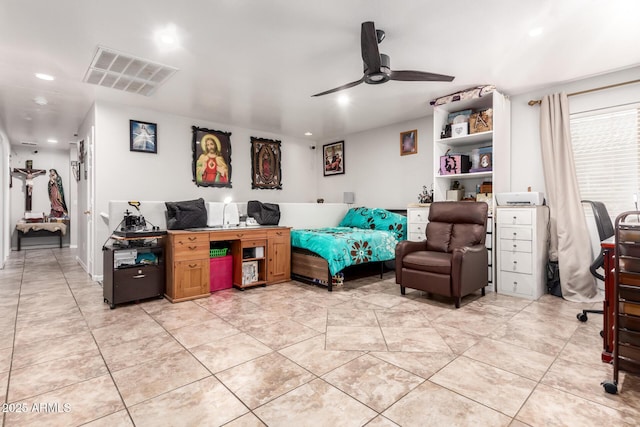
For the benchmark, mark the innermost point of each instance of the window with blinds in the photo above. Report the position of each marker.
(606, 147)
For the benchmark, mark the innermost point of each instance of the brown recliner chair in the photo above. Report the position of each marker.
(453, 261)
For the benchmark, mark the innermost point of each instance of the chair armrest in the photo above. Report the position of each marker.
(469, 269)
(403, 248)
(407, 246)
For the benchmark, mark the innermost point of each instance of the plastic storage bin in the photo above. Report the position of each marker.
(220, 273)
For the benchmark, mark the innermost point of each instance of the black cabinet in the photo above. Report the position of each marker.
(133, 273)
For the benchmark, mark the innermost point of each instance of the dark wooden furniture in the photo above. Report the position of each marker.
(41, 229)
(626, 298)
(137, 281)
(609, 295)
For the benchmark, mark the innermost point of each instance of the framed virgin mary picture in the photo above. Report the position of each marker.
(211, 157)
(266, 170)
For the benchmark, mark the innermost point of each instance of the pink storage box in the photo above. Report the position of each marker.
(220, 273)
(452, 164)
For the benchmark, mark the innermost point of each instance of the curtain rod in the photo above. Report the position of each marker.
(539, 101)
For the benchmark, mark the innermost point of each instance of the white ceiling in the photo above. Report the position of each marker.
(256, 63)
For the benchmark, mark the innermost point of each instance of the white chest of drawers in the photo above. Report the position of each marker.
(522, 240)
(417, 220)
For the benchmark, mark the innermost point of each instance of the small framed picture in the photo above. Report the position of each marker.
(333, 155)
(143, 136)
(409, 142)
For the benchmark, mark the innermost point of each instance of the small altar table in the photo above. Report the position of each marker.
(40, 229)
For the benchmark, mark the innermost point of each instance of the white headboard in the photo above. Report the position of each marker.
(294, 215)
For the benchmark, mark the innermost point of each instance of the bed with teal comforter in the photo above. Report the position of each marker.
(364, 235)
(345, 246)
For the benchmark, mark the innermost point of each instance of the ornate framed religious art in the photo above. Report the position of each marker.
(211, 157)
(266, 171)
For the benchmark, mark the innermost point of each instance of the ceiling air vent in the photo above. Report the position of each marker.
(29, 143)
(120, 71)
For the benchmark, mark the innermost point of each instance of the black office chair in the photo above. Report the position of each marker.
(605, 230)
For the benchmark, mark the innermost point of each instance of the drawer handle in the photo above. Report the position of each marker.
(515, 286)
(192, 238)
(192, 247)
(193, 265)
(240, 234)
(139, 276)
(279, 233)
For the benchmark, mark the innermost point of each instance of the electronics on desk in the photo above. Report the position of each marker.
(528, 198)
(135, 226)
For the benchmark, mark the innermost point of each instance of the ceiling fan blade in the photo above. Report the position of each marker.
(347, 86)
(369, 47)
(419, 76)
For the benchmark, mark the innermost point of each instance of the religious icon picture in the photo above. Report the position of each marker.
(143, 136)
(211, 157)
(409, 142)
(266, 171)
(333, 158)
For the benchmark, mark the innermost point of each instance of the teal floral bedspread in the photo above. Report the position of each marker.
(345, 246)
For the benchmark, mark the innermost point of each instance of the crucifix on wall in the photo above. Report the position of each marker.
(29, 173)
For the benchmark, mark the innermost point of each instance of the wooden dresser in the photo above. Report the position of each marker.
(265, 251)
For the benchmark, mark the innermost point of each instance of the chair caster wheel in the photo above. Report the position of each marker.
(610, 387)
(582, 317)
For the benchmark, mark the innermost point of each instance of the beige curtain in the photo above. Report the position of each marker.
(570, 244)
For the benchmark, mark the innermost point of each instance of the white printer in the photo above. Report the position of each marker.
(528, 198)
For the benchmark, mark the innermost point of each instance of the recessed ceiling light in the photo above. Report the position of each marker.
(343, 100)
(308, 133)
(167, 36)
(535, 32)
(52, 140)
(43, 76)
(40, 100)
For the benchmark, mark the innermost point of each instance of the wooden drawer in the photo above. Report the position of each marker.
(417, 237)
(517, 262)
(516, 284)
(135, 283)
(516, 245)
(515, 216)
(516, 233)
(629, 293)
(629, 308)
(190, 246)
(418, 215)
(254, 243)
(418, 228)
(629, 336)
(238, 234)
(629, 322)
(629, 351)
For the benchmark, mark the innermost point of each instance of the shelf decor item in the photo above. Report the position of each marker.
(211, 157)
(143, 136)
(249, 272)
(452, 164)
(266, 172)
(409, 142)
(482, 121)
(333, 158)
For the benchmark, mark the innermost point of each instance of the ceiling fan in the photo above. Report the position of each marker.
(377, 66)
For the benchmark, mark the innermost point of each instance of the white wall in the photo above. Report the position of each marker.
(526, 158)
(45, 158)
(5, 230)
(121, 174)
(376, 172)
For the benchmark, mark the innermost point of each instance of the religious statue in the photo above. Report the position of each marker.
(29, 173)
(56, 195)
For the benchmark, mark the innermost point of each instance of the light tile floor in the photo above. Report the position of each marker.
(295, 355)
